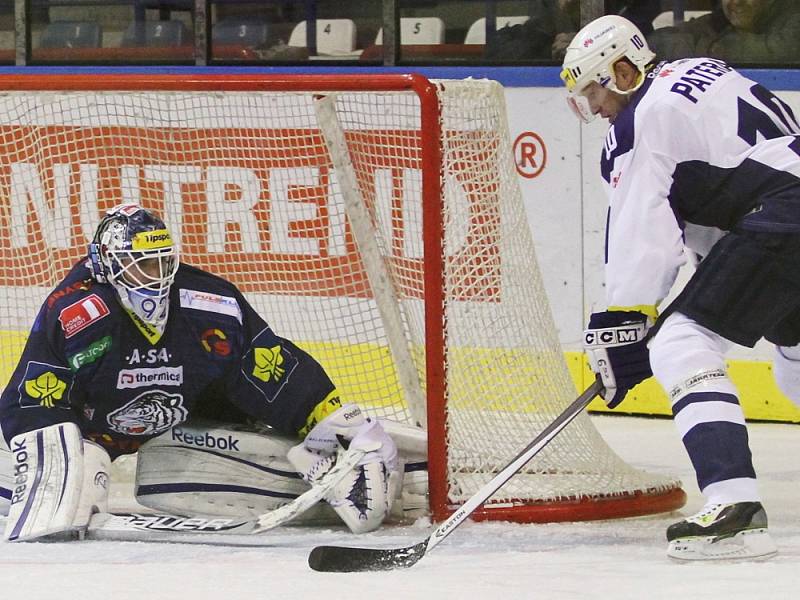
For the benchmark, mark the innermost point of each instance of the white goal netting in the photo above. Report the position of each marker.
(319, 205)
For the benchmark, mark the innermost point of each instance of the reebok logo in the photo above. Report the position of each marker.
(21, 469)
(352, 414)
(205, 440)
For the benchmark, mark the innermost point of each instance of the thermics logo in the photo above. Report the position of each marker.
(161, 376)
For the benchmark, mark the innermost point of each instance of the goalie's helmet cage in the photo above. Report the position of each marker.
(595, 49)
(133, 251)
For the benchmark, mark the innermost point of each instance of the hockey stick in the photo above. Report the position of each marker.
(343, 559)
(143, 527)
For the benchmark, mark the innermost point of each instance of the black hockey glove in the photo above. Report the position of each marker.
(615, 342)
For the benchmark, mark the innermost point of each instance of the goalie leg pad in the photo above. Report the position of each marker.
(55, 487)
(6, 476)
(218, 470)
(213, 469)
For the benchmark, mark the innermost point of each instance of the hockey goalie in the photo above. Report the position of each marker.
(136, 351)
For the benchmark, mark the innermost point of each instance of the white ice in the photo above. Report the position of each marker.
(612, 559)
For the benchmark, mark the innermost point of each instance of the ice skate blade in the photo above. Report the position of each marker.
(754, 544)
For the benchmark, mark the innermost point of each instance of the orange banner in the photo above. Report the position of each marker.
(52, 177)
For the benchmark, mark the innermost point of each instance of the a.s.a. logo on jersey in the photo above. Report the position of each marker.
(215, 342)
(150, 413)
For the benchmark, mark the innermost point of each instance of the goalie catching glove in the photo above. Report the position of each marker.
(363, 498)
(616, 344)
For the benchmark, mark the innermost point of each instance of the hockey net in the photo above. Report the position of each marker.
(374, 220)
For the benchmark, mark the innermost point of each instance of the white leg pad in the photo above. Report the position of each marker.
(96, 481)
(6, 476)
(55, 488)
(216, 470)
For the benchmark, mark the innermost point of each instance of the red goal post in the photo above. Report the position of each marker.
(374, 219)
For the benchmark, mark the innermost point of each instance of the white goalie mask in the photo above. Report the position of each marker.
(133, 251)
(591, 56)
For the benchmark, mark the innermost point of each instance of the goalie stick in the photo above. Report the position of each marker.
(176, 528)
(343, 559)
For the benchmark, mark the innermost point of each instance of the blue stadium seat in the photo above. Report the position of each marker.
(240, 32)
(156, 33)
(71, 34)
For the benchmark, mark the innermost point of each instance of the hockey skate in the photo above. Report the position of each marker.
(722, 532)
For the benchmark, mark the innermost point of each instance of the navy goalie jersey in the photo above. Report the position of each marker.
(90, 361)
(700, 151)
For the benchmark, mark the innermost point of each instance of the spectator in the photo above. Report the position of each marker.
(640, 12)
(534, 38)
(736, 31)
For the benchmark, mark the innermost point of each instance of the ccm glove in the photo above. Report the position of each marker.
(616, 344)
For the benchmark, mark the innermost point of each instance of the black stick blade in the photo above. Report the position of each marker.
(340, 559)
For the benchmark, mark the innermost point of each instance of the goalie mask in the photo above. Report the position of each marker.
(133, 251)
(591, 56)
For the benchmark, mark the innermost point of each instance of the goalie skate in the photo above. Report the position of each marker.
(722, 532)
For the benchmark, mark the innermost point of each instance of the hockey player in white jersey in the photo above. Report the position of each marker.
(700, 164)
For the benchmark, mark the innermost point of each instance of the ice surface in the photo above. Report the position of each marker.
(614, 559)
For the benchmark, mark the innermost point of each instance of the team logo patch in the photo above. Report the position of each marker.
(134, 378)
(45, 385)
(215, 340)
(89, 354)
(207, 301)
(150, 413)
(79, 315)
(268, 364)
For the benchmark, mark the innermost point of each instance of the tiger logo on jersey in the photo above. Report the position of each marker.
(150, 413)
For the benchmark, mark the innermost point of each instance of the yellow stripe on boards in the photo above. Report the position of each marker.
(760, 398)
(364, 373)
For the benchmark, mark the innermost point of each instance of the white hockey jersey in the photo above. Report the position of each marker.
(700, 150)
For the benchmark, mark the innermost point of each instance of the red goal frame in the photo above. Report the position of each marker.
(583, 508)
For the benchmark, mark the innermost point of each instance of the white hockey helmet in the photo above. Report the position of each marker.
(133, 250)
(591, 56)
